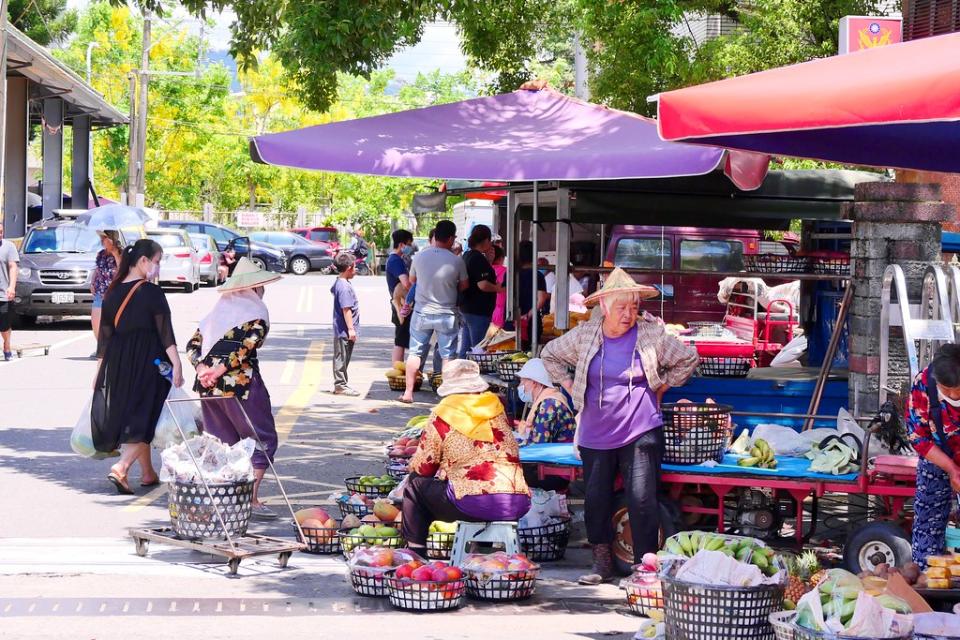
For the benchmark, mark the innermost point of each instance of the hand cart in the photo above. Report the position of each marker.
(234, 548)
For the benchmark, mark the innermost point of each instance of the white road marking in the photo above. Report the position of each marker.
(288, 370)
(299, 330)
(309, 299)
(301, 298)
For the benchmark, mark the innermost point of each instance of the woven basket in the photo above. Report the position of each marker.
(488, 361)
(724, 367)
(440, 545)
(644, 598)
(695, 433)
(547, 543)
(399, 383)
(506, 587)
(704, 612)
(319, 540)
(839, 266)
(508, 370)
(424, 596)
(349, 541)
(436, 379)
(368, 582)
(353, 486)
(776, 263)
(802, 633)
(782, 623)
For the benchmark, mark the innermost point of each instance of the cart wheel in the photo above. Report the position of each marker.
(234, 565)
(283, 558)
(623, 536)
(876, 543)
(142, 546)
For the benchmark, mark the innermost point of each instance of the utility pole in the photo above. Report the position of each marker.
(580, 68)
(132, 145)
(3, 102)
(142, 113)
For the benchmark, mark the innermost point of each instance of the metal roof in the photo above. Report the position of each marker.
(51, 78)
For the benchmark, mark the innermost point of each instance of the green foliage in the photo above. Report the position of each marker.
(44, 21)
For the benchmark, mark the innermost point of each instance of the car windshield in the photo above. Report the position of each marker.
(324, 236)
(200, 244)
(166, 240)
(66, 238)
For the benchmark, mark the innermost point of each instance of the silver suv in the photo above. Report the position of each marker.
(57, 259)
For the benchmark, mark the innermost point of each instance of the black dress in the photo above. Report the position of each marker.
(130, 391)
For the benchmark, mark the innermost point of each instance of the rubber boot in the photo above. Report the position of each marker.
(602, 570)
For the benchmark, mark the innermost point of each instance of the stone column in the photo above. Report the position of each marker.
(893, 223)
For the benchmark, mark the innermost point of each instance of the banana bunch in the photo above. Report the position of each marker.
(761, 455)
(398, 371)
(519, 357)
(748, 550)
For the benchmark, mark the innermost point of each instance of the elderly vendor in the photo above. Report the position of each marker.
(467, 466)
(933, 423)
(623, 365)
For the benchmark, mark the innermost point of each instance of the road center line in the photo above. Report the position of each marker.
(288, 370)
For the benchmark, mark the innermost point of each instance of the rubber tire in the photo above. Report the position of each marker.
(669, 525)
(304, 268)
(188, 287)
(885, 532)
(260, 263)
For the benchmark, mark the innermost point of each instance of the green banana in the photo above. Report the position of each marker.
(749, 462)
(756, 452)
(727, 552)
(674, 547)
(684, 541)
(846, 611)
(760, 560)
(715, 543)
(743, 555)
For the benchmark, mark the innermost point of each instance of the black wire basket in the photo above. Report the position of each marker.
(397, 468)
(488, 361)
(351, 509)
(724, 367)
(644, 593)
(802, 633)
(694, 433)
(436, 379)
(320, 540)
(371, 491)
(508, 370)
(411, 595)
(193, 512)
(399, 383)
(706, 612)
(547, 543)
(506, 586)
(440, 545)
(350, 541)
(839, 266)
(368, 582)
(776, 263)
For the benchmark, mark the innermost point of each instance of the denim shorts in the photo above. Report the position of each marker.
(97, 301)
(422, 327)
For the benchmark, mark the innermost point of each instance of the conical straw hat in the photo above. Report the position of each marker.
(247, 275)
(619, 281)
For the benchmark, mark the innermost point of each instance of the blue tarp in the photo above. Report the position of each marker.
(561, 454)
(950, 242)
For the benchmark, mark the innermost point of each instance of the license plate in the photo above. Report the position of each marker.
(62, 297)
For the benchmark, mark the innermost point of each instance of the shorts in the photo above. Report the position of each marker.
(6, 316)
(401, 332)
(97, 301)
(423, 326)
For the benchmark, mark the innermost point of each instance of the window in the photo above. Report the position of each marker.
(644, 253)
(167, 240)
(711, 255)
(218, 234)
(66, 238)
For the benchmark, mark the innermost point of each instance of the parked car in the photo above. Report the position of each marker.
(684, 298)
(209, 254)
(180, 264)
(324, 235)
(57, 261)
(263, 255)
(302, 255)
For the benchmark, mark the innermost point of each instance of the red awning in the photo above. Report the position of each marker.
(893, 106)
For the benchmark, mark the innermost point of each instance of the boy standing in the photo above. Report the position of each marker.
(346, 321)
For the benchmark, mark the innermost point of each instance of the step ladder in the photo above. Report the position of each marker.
(926, 325)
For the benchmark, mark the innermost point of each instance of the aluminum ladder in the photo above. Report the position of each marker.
(926, 325)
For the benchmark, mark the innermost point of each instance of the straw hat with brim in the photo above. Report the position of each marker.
(247, 275)
(461, 376)
(619, 281)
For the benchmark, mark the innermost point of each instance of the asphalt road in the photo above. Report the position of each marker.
(68, 568)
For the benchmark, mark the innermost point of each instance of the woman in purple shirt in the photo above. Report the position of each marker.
(623, 365)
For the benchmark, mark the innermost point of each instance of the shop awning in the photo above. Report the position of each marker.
(523, 135)
(893, 106)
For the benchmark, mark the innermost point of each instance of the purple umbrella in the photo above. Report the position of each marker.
(525, 135)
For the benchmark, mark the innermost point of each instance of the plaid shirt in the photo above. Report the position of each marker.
(920, 427)
(666, 360)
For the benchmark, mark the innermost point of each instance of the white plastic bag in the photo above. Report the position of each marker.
(187, 414)
(81, 438)
(725, 288)
(789, 291)
(846, 424)
(790, 353)
(783, 440)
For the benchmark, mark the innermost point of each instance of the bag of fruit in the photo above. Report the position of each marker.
(369, 564)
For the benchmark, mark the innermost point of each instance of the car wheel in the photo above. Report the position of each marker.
(188, 287)
(876, 543)
(623, 536)
(300, 266)
(259, 262)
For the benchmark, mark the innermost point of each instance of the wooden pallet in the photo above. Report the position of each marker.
(34, 346)
(246, 546)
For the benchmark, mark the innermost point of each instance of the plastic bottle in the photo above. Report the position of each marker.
(165, 369)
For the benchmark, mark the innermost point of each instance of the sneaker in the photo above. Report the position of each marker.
(263, 512)
(346, 391)
(8, 355)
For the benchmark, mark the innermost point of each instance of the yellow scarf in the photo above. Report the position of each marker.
(471, 414)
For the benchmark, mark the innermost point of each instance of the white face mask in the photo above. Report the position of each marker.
(950, 401)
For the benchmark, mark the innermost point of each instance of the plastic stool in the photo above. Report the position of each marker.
(469, 533)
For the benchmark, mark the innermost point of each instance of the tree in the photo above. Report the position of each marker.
(44, 21)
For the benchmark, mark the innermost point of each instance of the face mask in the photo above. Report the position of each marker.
(153, 271)
(950, 401)
(524, 394)
(407, 250)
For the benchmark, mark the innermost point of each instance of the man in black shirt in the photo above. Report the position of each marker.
(525, 294)
(480, 297)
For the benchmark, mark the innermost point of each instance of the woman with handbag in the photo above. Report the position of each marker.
(129, 391)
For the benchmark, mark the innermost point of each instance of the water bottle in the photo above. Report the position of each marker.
(165, 369)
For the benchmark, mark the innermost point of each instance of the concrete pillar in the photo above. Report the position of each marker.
(893, 223)
(52, 156)
(80, 167)
(15, 157)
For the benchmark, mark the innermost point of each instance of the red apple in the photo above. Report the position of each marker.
(404, 571)
(440, 575)
(453, 573)
(422, 574)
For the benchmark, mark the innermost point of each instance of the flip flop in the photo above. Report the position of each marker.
(151, 484)
(122, 487)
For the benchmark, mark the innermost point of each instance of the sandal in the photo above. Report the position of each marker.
(152, 483)
(120, 483)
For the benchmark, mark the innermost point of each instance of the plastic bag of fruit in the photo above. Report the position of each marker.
(374, 560)
(499, 566)
(841, 604)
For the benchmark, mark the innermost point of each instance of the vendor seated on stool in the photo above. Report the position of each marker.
(467, 466)
(550, 418)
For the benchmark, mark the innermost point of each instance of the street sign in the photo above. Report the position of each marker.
(249, 219)
(867, 32)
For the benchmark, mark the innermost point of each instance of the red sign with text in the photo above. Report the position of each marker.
(863, 32)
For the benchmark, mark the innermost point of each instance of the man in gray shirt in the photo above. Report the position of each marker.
(8, 290)
(440, 276)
